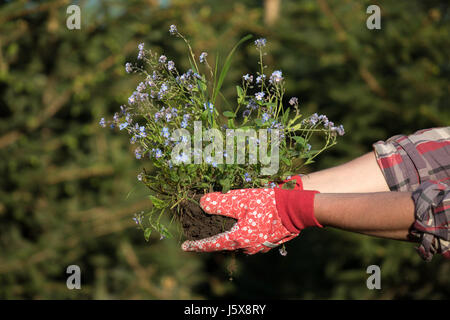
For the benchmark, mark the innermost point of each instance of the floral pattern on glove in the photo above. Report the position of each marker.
(258, 228)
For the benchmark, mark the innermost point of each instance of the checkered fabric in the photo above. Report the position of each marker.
(420, 163)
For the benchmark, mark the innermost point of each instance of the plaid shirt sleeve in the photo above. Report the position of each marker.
(420, 163)
(432, 211)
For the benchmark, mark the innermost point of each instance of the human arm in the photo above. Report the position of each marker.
(382, 214)
(356, 176)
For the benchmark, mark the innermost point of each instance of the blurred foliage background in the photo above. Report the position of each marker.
(69, 188)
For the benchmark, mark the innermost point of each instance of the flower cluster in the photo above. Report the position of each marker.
(167, 101)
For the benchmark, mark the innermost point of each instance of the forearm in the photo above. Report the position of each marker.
(357, 176)
(382, 214)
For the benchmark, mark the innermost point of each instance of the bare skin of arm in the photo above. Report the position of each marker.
(357, 176)
(380, 214)
(355, 197)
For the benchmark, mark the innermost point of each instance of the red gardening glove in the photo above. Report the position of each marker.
(266, 219)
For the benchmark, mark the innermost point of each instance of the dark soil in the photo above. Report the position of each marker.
(197, 224)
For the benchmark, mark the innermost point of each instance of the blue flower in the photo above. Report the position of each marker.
(141, 51)
(170, 65)
(102, 122)
(265, 117)
(162, 59)
(137, 218)
(184, 124)
(165, 132)
(158, 153)
(123, 125)
(132, 98)
(314, 118)
(150, 82)
(162, 90)
(293, 101)
(247, 177)
(182, 157)
(260, 78)
(276, 77)
(339, 129)
(142, 132)
(203, 56)
(252, 105)
(140, 87)
(209, 105)
(137, 153)
(259, 95)
(259, 43)
(128, 67)
(173, 29)
(248, 77)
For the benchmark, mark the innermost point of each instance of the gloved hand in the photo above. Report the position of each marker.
(266, 218)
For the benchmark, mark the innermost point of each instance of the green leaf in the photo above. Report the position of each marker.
(229, 114)
(158, 203)
(164, 231)
(240, 92)
(147, 233)
(259, 122)
(286, 161)
(226, 67)
(204, 185)
(270, 104)
(285, 116)
(205, 115)
(289, 185)
(201, 85)
(299, 140)
(287, 174)
(226, 184)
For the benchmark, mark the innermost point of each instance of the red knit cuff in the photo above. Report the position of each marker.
(296, 209)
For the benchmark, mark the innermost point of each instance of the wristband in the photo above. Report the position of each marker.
(296, 209)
